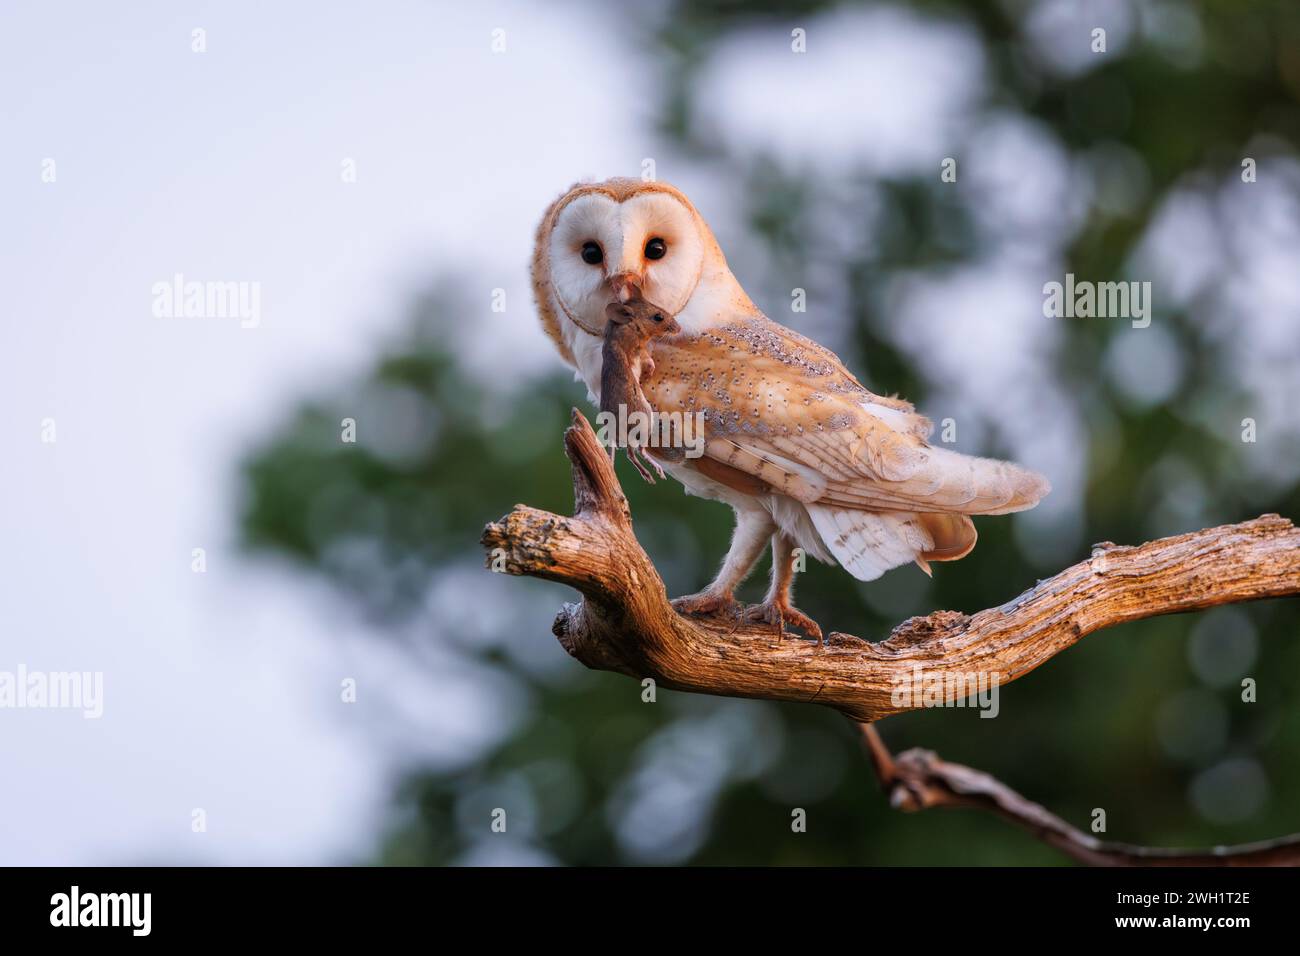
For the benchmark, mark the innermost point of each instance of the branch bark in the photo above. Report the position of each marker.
(624, 622)
(919, 779)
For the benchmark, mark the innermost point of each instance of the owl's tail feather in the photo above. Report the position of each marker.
(867, 543)
(938, 480)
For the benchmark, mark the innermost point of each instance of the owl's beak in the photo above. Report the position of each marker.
(626, 285)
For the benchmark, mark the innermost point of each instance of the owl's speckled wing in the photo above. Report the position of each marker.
(782, 413)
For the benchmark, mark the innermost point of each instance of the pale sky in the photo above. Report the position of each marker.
(222, 689)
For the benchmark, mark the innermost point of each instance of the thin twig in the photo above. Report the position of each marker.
(919, 779)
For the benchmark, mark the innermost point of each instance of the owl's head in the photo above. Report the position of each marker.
(612, 242)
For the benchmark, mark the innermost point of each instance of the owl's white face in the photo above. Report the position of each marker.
(602, 251)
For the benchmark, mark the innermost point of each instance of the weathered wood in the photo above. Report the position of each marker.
(625, 623)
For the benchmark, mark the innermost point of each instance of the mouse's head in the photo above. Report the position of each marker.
(641, 317)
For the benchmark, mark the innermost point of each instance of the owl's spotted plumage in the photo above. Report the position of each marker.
(805, 454)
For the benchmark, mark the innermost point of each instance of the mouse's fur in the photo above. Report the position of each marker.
(625, 361)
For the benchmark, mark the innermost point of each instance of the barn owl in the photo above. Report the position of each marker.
(807, 456)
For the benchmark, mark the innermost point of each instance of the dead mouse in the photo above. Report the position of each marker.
(625, 361)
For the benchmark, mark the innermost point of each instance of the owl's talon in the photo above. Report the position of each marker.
(710, 603)
(780, 613)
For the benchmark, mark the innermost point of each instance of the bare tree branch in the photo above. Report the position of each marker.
(626, 624)
(919, 779)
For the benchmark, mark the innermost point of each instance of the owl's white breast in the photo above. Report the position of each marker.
(586, 349)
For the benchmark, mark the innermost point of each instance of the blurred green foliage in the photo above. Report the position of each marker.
(593, 775)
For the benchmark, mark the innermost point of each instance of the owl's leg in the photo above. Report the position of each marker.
(753, 527)
(776, 608)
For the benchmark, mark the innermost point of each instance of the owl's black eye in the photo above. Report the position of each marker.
(591, 253)
(655, 248)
